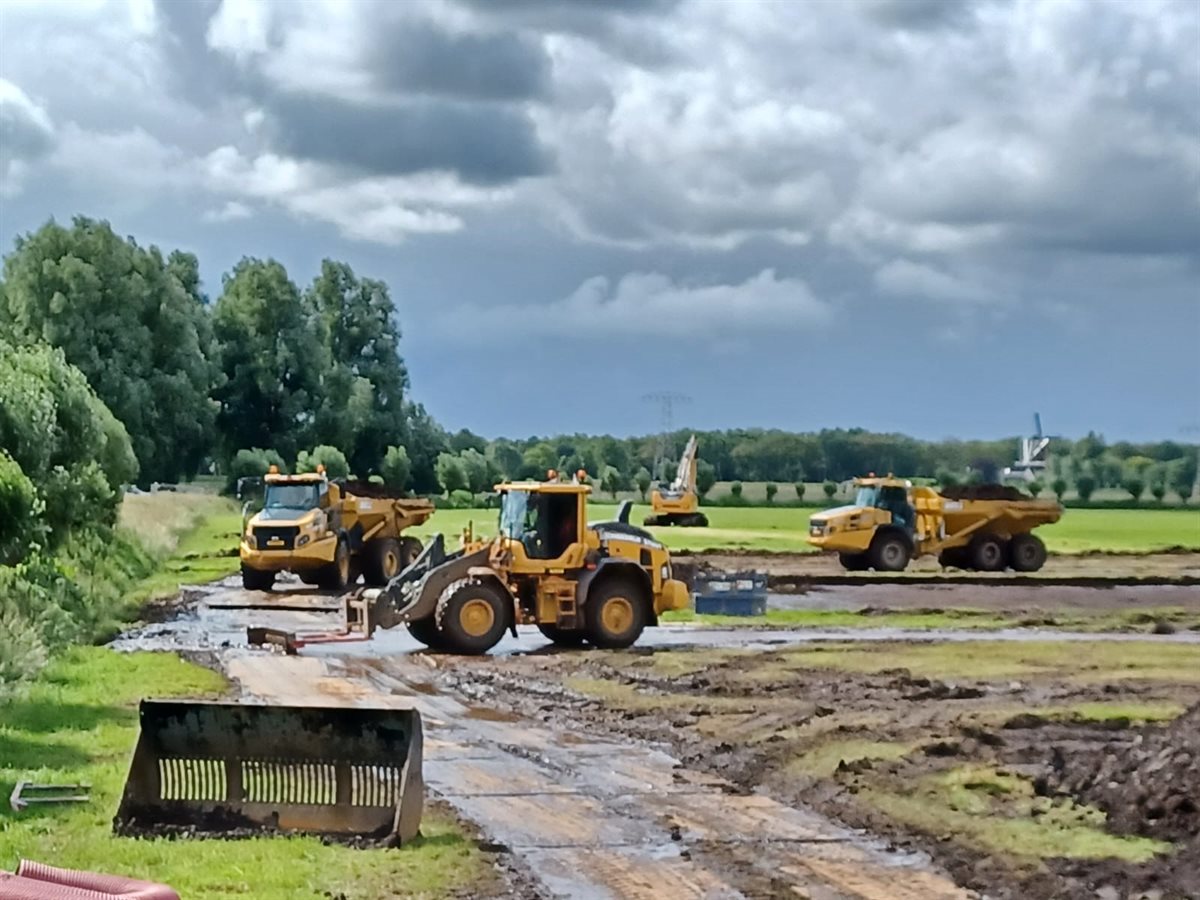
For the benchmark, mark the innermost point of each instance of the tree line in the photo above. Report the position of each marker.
(269, 372)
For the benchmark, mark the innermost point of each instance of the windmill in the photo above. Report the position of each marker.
(1032, 462)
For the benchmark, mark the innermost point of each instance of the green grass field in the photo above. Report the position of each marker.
(785, 528)
(78, 723)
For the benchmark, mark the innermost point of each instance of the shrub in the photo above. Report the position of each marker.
(946, 478)
(1035, 488)
(610, 481)
(800, 487)
(1059, 486)
(1135, 487)
(252, 463)
(830, 488)
(642, 480)
(21, 509)
(333, 459)
(1085, 486)
(461, 499)
(735, 490)
(396, 468)
(772, 490)
(706, 477)
(1159, 490)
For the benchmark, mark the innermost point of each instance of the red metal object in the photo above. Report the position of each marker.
(38, 881)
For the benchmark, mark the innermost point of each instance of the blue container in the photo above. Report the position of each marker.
(730, 593)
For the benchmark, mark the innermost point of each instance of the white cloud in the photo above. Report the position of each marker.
(383, 210)
(910, 280)
(232, 211)
(651, 305)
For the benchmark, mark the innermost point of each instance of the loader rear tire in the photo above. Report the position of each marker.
(1026, 552)
(472, 616)
(384, 561)
(854, 562)
(336, 575)
(257, 580)
(426, 631)
(987, 553)
(410, 549)
(890, 552)
(615, 613)
(563, 637)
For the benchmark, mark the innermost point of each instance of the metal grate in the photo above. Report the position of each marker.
(376, 786)
(289, 782)
(191, 779)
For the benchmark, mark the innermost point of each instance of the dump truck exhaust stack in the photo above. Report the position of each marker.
(227, 768)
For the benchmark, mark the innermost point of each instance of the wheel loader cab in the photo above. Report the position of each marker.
(543, 523)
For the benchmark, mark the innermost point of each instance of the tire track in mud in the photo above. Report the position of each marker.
(596, 817)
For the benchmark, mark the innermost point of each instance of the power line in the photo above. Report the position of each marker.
(666, 401)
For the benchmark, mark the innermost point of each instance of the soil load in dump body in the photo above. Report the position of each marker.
(983, 492)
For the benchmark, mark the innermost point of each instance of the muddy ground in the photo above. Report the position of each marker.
(966, 767)
(797, 570)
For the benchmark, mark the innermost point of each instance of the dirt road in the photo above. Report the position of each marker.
(605, 775)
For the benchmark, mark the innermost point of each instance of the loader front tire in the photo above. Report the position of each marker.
(615, 613)
(562, 637)
(1026, 553)
(384, 561)
(426, 631)
(257, 580)
(987, 553)
(890, 552)
(472, 617)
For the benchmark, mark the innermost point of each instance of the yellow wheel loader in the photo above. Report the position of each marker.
(602, 583)
(679, 504)
(329, 533)
(986, 528)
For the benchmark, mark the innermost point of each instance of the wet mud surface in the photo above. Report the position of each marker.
(870, 763)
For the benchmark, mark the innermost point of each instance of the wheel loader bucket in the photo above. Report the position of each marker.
(228, 769)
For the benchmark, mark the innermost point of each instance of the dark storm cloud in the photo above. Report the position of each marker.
(25, 133)
(919, 15)
(417, 57)
(197, 73)
(483, 144)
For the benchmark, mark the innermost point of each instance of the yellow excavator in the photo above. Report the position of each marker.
(601, 582)
(679, 504)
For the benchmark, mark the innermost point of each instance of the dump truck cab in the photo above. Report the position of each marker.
(891, 521)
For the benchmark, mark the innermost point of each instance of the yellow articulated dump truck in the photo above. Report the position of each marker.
(327, 533)
(987, 528)
(601, 582)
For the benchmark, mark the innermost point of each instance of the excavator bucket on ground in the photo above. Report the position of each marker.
(229, 769)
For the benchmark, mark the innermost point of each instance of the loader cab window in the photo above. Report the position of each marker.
(292, 496)
(545, 524)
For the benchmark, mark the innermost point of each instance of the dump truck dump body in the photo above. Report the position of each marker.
(228, 768)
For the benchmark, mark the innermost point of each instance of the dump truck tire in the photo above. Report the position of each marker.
(384, 560)
(987, 553)
(472, 616)
(426, 631)
(889, 552)
(313, 577)
(953, 558)
(1026, 553)
(563, 637)
(854, 562)
(336, 575)
(256, 579)
(410, 549)
(615, 613)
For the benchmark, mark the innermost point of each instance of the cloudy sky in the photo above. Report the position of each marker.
(920, 215)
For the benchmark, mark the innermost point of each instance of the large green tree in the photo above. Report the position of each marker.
(272, 360)
(131, 322)
(362, 405)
